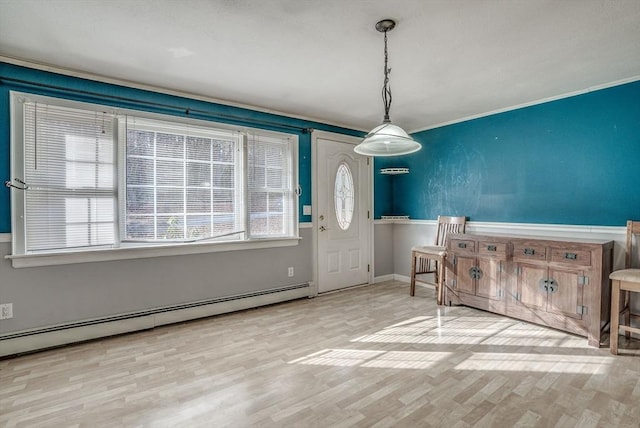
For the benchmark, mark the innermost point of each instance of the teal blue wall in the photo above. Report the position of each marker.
(69, 87)
(570, 161)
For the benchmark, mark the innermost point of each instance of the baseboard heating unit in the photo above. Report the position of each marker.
(62, 334)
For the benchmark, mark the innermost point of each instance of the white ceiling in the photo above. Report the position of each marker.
(323, 59)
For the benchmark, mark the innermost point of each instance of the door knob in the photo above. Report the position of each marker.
(321, 217)
(322, 228)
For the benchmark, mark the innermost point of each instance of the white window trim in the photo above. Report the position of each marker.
(20, 260)
(109, 254)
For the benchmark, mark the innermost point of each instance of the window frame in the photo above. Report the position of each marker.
(133, 250)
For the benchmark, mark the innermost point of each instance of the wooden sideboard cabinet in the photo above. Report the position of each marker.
(562, 284)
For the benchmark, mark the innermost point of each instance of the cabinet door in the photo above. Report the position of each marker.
(464, 282)
(528, 286)
(566, 296)
(489, 285)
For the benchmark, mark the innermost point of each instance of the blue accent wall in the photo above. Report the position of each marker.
(571, 161)
(25, 79)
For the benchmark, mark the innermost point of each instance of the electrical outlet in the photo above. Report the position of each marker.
(6, 310)
(290, 272)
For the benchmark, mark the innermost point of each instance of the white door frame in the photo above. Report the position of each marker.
(315, 135)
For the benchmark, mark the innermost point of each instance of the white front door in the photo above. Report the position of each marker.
(342, 211)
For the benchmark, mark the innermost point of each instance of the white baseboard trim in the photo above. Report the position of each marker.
(401, 278)
(383, 278)
(27, 341)
(5, 237)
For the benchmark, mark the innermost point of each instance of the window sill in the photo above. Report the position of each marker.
(52, 259)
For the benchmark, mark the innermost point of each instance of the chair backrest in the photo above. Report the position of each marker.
(448, 225)
(632, 258)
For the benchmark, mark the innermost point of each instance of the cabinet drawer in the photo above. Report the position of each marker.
(529, 252)
(464, 245)
(571, 257)
(492, 248)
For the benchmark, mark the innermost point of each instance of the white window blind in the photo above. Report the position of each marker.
(69, 168)
(181, 182)
(270, 186)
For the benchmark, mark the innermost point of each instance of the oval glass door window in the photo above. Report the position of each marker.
(344, 196)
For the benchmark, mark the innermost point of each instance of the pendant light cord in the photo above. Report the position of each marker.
(386, 89)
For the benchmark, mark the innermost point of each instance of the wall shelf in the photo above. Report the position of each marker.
(394, 171)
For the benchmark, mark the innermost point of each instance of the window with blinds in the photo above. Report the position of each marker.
(181, 182)
(100, 178)
(271, 195)
(69, 168)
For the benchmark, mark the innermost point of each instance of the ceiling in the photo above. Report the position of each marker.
(323, 60)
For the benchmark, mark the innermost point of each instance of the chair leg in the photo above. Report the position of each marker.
(439, 282)
(627, 314)
(412, 288)
(615, 316)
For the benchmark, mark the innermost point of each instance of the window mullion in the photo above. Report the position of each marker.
(244, 176)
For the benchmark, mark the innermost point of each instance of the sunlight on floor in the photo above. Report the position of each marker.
(378, 359)
(472, 330)
(503, 334)
(552, 363)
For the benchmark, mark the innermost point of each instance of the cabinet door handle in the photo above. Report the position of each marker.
(462, 245)
(544, 285)
(529, 251)
(491, 248)
(570, 256)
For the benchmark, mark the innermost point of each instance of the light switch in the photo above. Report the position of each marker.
(306, 210)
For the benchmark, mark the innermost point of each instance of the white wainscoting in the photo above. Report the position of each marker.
(407, 233)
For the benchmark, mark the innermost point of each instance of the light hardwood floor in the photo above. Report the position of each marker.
(365, 357)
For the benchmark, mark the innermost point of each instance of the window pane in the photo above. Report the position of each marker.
(140, 143)
(170, 200)
(199, 174)
(170, 227)
(199, 148)
(140, 171)
(198, 226)
(198, 201)
(169, 173)
(140, 227)
(169, 145)
(223, 151)
(344, 196)
(140, 200)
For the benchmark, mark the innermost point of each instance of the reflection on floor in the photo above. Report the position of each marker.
(369, 357)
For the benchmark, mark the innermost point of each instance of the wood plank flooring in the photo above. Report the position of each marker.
(365, 357)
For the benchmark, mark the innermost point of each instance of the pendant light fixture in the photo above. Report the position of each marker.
(387, 139)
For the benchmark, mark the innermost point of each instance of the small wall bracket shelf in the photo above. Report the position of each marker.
(394, 171)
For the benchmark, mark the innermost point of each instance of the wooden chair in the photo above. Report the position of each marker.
(623, 283)
(430, 258)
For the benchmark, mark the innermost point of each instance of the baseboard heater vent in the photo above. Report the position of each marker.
(52, 336)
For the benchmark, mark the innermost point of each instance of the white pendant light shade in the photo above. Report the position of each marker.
(387, 140)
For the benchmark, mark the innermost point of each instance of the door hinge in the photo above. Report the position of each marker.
(500, 292)
(368, 160)
(454, 283)
(455, 260)
(368, 268)
(518, 270)
(581, 310)
(368, 214)
(517, 296)
(583, 280)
